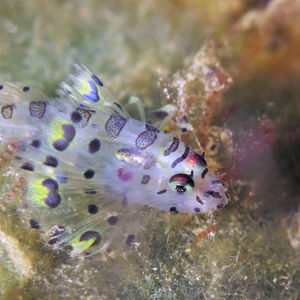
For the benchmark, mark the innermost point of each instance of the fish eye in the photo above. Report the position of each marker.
(181, 183)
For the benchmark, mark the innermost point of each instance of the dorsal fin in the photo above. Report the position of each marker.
(86, 89)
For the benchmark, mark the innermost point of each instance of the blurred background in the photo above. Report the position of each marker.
(233, 68)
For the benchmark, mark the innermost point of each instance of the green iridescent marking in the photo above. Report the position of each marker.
(57, 132)
(82, 245)
(37, 192)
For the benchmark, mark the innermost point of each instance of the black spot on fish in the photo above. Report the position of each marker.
(161, 114)
(130, 239)
(34, 224)
(88, 174)
(94, 146)
(26, 89)
(51, 161)
(97, 80)
(60, 145)
(219, 206)
(161, 191)
(93, 208)
(173, 209)
(69, 132)
(53, 241)
(36, 144)
(27, 166)
(91, 235)
(90, 191)
(204, 173)
(50, 184)
(197, 209)
(76, 116)
(145, 179)
(53, 199)
(112, 220)
(212, 193)
(199, 200)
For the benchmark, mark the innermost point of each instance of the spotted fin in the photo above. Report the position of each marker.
(56, 154)
(85, 89)
(87, 225)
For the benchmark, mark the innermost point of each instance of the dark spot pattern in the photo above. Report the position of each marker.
(76, 116)
(50, 184)
(53, 241)
(161, 192)
(37, 109)
(7, 111)
(145, 179)
(197, 209)
(114, 125)
(60, 145)
(94, 146)
(91, 235)
(88, 174)
(27, 166)
(1, 86)
(219, 206)
(212, 193)
(53, 199)
(34, 224)
(51, 161)
(204, 173)
(130, 239)
(172, 148)
(36, 144)
(90, 191)
(181, 158)
(161, 114)
(26, 89)
(146, 138)
(173, 209)
(198, 199)
(93, 208)
(69, 132)
(97, 80)
(112, 220)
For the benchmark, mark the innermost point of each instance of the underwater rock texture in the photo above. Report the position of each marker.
(240, 93)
